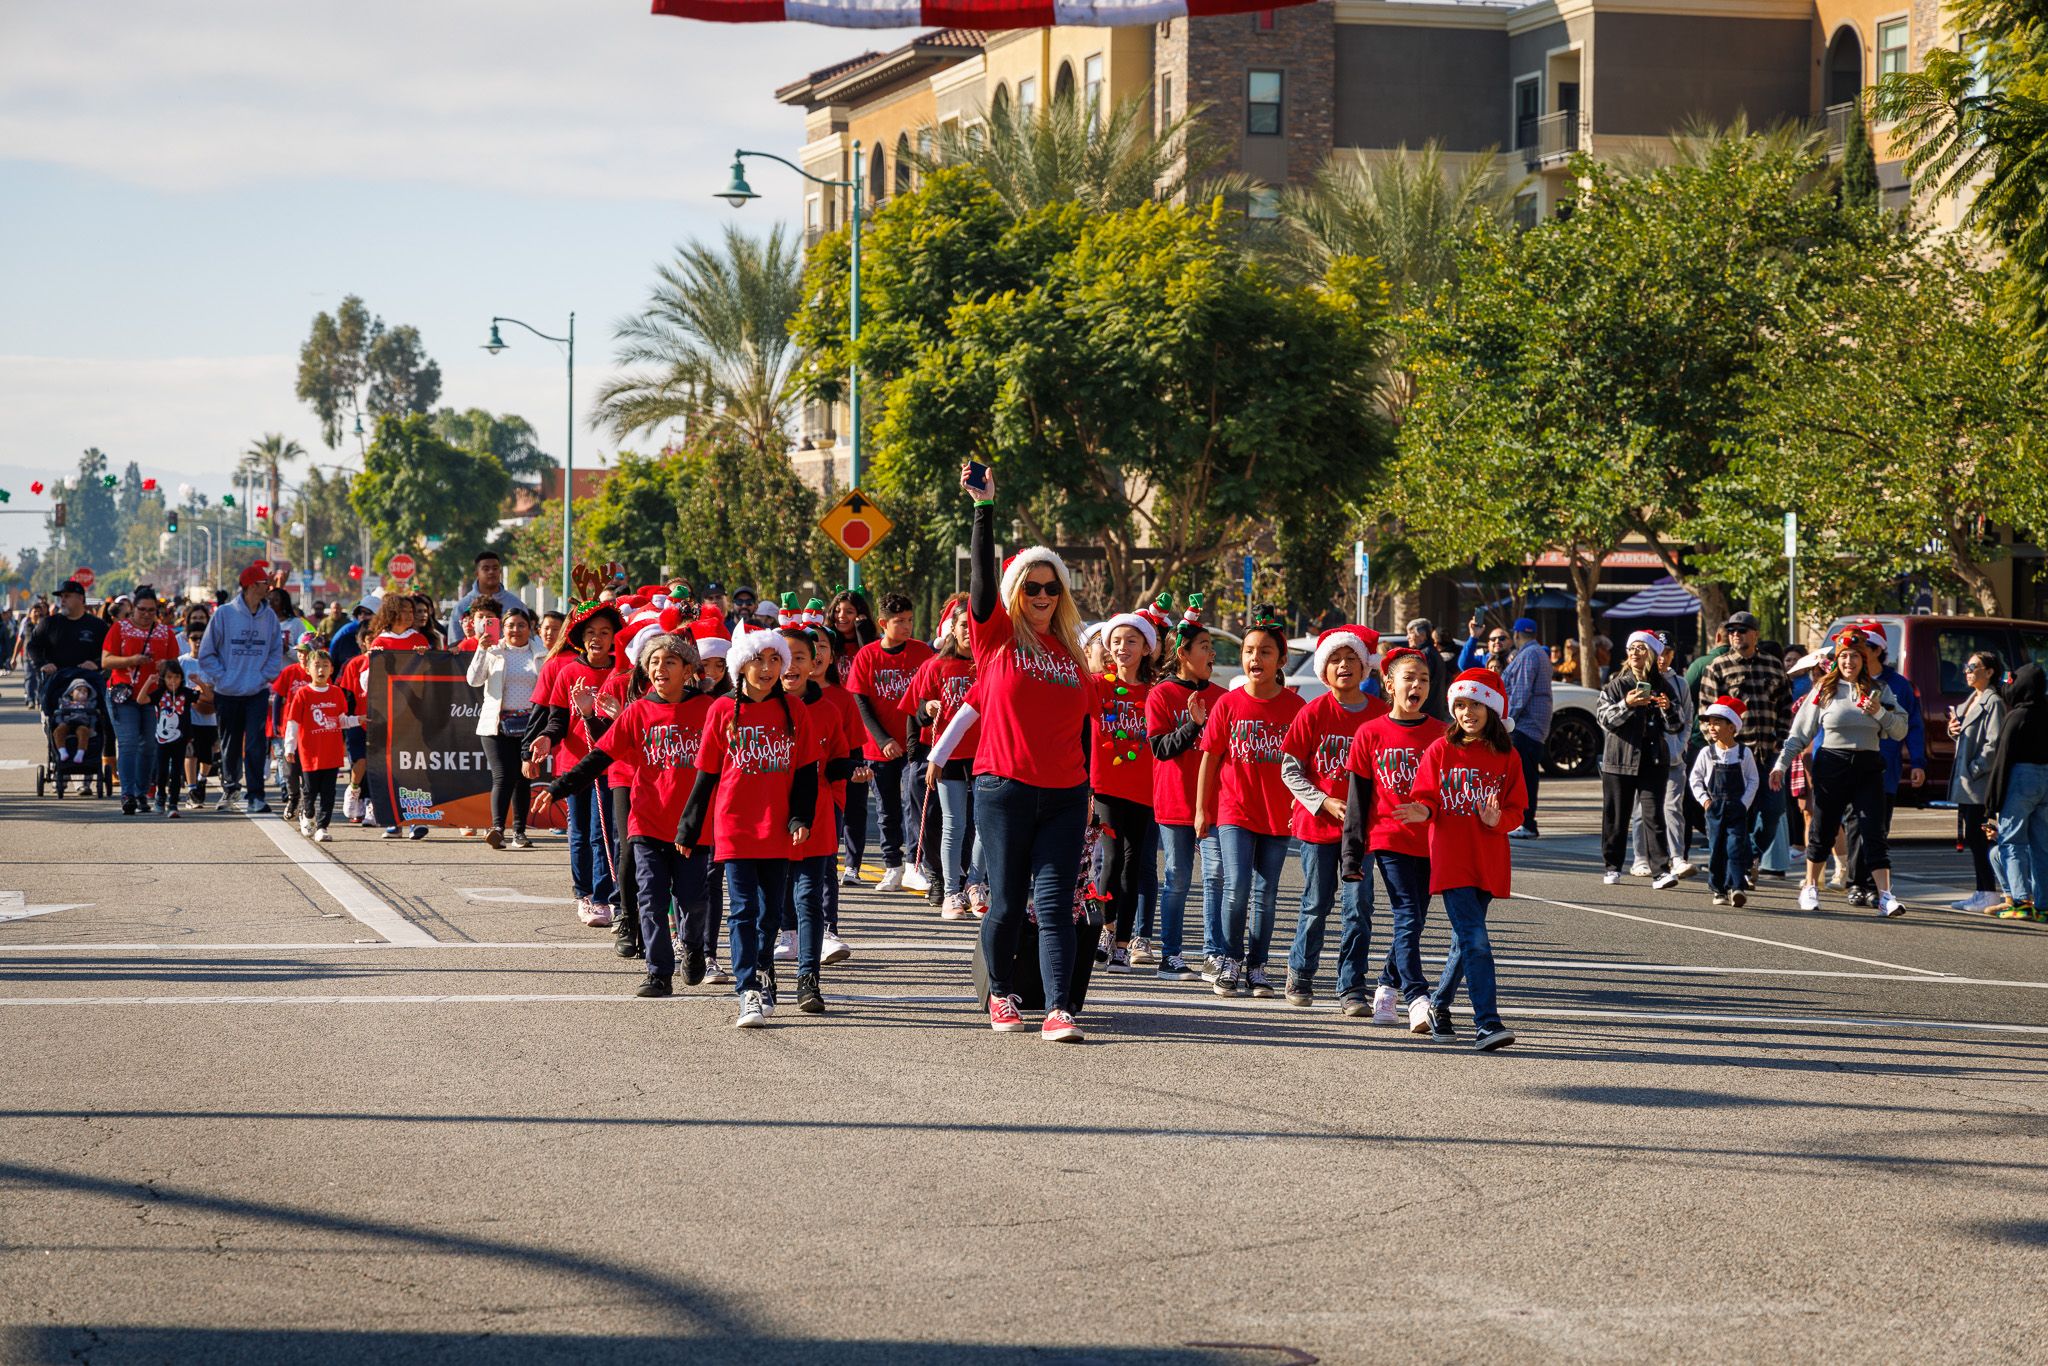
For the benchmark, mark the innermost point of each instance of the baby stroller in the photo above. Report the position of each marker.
(89, 772)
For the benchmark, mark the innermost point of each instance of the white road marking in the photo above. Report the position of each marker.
(296, 948)
(339, 883)
(514, 896)
(1274, 1011)
(17, 763)
(14, 906)
(1730, 934)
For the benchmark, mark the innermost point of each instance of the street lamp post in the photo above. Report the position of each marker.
(737, 193)
(497, 344)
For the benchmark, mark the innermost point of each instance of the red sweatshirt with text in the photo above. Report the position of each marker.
(756, 749)
(1247, 735)
(1388, 754)
(656, 744)
(1454, 781)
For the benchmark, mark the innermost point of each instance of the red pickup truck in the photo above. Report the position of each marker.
(1931, 651)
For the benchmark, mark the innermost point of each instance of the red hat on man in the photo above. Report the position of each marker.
(256, 573)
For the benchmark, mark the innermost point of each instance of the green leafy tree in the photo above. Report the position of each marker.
(352, 365)
(712, 347)
(1860, 188)
(261, 465)
(1976, 121)
(507, 436)
(1890, 416)
(634, 518)
(91, 533)
(330, 519)
(743, 517)
(415, 485)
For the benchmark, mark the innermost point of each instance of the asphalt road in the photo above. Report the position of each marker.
(266, 1101)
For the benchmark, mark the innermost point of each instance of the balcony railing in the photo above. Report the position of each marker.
(1835, 119)
(1556, 136)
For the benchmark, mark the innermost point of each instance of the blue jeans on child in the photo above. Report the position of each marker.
(662, 873)
(590, 863)
(1252, 864)
(753, 886)
(1321, 889)
(805, 895)
(1181, 848)
(1727, 830)
(1407, 879)
(956, 837)
(1471, 956)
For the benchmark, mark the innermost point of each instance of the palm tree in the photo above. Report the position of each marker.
(263, 460)
(714, 342)
(1408, 213)
(1066, 151)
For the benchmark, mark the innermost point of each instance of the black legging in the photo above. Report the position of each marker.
(511, 789)
(1622, 797)
(1978, 843)
(1848, 784)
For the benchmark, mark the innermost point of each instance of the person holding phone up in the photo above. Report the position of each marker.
(1636, 711)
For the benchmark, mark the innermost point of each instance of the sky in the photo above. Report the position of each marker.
(183, 187)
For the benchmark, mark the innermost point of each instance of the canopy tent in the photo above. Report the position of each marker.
(972, 14)
(1544, 600)
(1664, 598)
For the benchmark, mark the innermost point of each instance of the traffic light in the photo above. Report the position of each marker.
(329, 552)
(171, 521)
(57, 514)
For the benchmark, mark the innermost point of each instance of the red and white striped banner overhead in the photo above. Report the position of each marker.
(972, 14)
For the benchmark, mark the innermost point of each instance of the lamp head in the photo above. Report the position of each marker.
(738, 192)
(496, 343)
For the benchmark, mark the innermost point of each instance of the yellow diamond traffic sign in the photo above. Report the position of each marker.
(856, 524)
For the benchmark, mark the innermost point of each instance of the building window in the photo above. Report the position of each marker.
(1027, 96)
(1263, 203)
(1165, 100)
(1000, 105)
(1091, 88)
(1891, 47)
(1528, 109)
(903, 163)
(1263, 21)
(1262, 103)
(1525, 210)
(878, 176)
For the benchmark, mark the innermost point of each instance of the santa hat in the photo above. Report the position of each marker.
(713, 641)
(259, 572)
(1362, 641)
(646, 626)
(1484, 687)
(1650, 639)
(1729, 709)
(1868, 634)
(1020, 564)
(1148, 632)
(750, 645)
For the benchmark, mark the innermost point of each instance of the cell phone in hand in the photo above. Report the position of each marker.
(977, 475)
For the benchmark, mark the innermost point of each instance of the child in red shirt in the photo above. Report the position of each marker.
(1469, 789)
(1175, 714)
(756, 796)
(657, 738)
(811, 888)
(879, 678)
(289, 680)
(1314, 753)
(937, 690)
(1242, 746)
(850, 786)
(1385, 755)
(564, 699)
(314, 719)
(1120, 772)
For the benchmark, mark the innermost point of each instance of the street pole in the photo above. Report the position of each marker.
(1792, 577)
(494, 346)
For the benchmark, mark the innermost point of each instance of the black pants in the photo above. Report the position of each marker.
(855, 838)
(1622, 797)
(170, 771)
(316, 796)
(625, 925)
(1848, 789)
(1129, 843)
(1978, 843)
(511, 789)
(888, 785)
(242, 753)
(1859, 872)
(660, 873)
(1531, 752)
(930, 833)
(292, 775)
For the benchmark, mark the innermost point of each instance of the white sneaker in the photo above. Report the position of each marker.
(953, 907)
(850, 875)
(753, 1011)
(595, 914)
(715, 974)
(835, 949)
(1142, 953)
(1418, 1015)
(1985, 901)
(1682, 868)
(352, 804)
(785, 946)
(1889, 905)
(1642, 868)
(306, 826)
(1809, 897)
(1386, 1006)
(892, 879)
(1611, 876)
(1839, 877)
(321, 836)
(914, 879)
(1662, 881)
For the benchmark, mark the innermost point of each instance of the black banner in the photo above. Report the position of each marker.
(426, 760)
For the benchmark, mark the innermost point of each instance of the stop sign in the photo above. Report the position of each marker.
(84, 575)
(855, 535)
(399, 567)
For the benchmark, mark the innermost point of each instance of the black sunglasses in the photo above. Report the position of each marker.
(1033, 588)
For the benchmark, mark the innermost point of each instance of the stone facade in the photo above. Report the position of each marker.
(1209, 63)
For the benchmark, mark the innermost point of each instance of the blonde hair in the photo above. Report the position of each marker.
(1065, 625)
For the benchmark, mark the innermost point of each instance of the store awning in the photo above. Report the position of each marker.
(1664, 598)
(973, 14)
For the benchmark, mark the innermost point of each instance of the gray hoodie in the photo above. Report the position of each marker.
(242, 650)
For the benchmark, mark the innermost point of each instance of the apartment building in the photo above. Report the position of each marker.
(1286, 90)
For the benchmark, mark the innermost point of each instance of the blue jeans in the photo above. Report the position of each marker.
(1728, 843)
(2022, 853)
(661, 872)
(753, 889)
(956, 839)
(1148, 896)
(590, 864)
(1407, 880)
(1181, 846)
(1252, 864)
(242, 753)
(1321, 889)
(1767, 823)
(1031, 841)
(803, 907)
(135, 747)
(1472, 956)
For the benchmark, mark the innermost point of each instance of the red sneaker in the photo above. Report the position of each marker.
(1060, 1028)
(1003, 1016)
